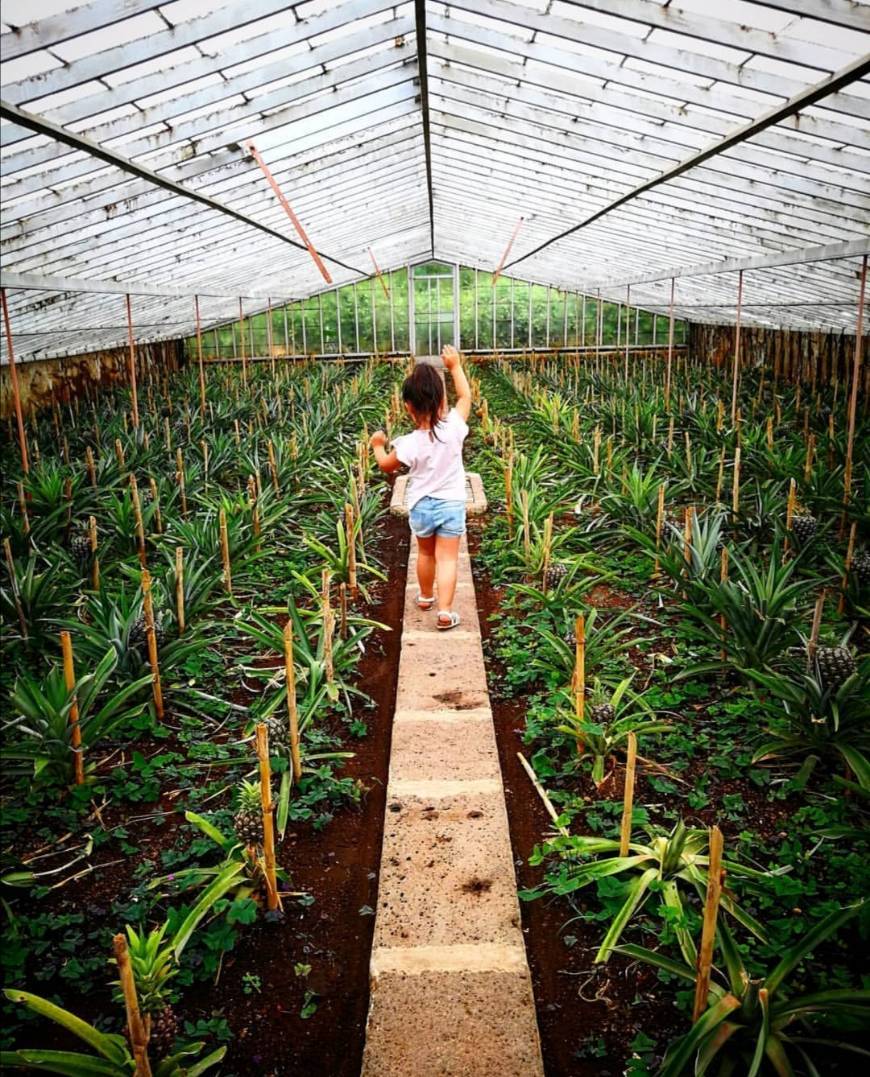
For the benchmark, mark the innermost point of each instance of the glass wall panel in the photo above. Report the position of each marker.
(540, 313)
(484, 310)
(558, 306)
(466, 308)
(363, 299)
(521, 314)
(329, 303)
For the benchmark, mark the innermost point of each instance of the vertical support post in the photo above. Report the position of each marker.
(627, 323)
(853, 395)
(327, 626)
(134, 397)
(140, 523)
(580, 672)
(242, 344)
(225, 551)
(179, 475)
(16, 391)
(628, 795)
(199, 358)
(151, 637)
(735, 486)
(69, 680)
(135, 1024)
(660, 520)
(272, 899)
(292, 711)
(735, 381)
(670, 346)
(350, 531)
(708, 931)
(847, 565)
(95, 560)
(179, 588)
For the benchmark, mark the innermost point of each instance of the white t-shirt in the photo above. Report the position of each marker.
(436, 464)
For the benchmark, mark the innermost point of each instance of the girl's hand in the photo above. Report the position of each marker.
(378, 439)
(450, 356)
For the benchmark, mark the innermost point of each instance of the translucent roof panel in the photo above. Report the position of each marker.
(637, 140)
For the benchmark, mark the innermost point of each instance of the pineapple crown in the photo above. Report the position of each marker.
(153, 963)
(249, 796)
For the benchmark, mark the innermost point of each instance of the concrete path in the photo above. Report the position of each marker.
(450, 987)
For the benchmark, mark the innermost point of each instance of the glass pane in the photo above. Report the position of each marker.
(330, 321)
(557, 318)
(346, 318)
(521, 314)
(466, 307)
(539, 316)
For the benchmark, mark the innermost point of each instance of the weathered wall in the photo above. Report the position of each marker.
(814, 358)
(80, 375)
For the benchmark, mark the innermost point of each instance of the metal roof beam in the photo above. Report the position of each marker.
(55, 29)
(808, 97)
(423, 72)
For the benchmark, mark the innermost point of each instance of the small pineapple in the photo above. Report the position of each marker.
(555, 574)
(248, 820)
(80, 548)
(138, 637)
(861, 567)
(602, 713)
(834, 665)
(804, 528)
(278, 729)
(164, 1029)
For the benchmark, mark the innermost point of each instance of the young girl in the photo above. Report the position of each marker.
(436, 491)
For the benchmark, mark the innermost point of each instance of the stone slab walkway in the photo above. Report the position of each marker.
(451, 994)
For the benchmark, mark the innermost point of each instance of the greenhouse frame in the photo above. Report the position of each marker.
(435, 524)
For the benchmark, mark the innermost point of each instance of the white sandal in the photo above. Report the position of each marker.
(424, 603)
(452, 622)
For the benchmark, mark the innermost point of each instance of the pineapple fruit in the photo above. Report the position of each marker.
(555, 574)
(804, 528)
(248, 820)
(834, 665)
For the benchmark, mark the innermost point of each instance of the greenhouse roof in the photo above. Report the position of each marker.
(638, 141)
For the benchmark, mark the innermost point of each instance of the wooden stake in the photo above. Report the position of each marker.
(509, 494)
(134, 399)
(660, 520)
(292, 712)
(22, 505)
(151, 637)
(273, 901)
(140, 524)
(16, 391)
(89, 464)
(789, 511)
(327, 626)
(808, 466)
(119, 455)
(853, 396)
(580, 672)
(95, 561)
(708, 931)
(813, 643)
(179, 475)
(723, 576)
(225, 551)
(548, 542)
(735, 486)
(850, 553)
(179, 588)
(136, 1026)
(628, 795)
(69, 680)
(273, 468)
(350, 531)
(16, 594)
(527, 534)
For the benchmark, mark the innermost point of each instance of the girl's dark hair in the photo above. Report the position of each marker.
(424, 391)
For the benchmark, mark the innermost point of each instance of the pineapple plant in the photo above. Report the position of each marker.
(804, 528)
(152, 959)
(834, 666)
(248, 820)
(138, 637)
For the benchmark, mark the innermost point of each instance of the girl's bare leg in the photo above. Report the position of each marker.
(446, 556)
(426, 565)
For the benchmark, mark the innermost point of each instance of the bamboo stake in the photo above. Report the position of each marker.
(89, 464)
(628, 795)
(548, 542)
(813, 643)
(136, 1026)
(350, 530)
(255, 509)
(708, 931)
(69, 680)
(580, 673)
(509, 494)
(660, 520)
(723, 576)
(95, 561)
(273, 901)
(273, 468)
(151, 637)
(225, 551)
(16, 391)
(16, 594)
(542, 793)
(789, 511)
(292, 712)
(22, 505)
(327, 626)
(155, 498)
(527, 536)
(119, 455)
(853, 396)
(140, 523)
(179, 475)
(179, 588)
(134, 399)
(808, 466)
(850, 553)
(735, 486)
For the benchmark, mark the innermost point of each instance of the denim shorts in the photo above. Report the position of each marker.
(432, 516)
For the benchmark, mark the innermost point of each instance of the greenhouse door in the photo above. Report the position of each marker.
(434, 307)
